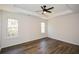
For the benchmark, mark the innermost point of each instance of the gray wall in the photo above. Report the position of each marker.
(65, 28)
(29, 29)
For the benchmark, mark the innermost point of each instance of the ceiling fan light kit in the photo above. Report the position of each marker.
(44, 12)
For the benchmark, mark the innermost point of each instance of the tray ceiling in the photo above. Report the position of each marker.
(35, 9)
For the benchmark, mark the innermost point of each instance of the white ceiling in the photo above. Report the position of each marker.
(35, 9)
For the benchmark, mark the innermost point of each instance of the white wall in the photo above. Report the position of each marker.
(0, 28)
(65, 28)
(29, 29)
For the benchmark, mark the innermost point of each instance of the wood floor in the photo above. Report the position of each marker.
(42, 46)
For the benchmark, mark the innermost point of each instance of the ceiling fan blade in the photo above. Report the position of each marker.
(42, 7)
(48, 11)
(50, 8)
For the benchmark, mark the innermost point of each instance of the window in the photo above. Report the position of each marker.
(42, 27)
(12, 27)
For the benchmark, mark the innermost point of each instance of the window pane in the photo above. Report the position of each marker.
(12, 27)
(42, 27)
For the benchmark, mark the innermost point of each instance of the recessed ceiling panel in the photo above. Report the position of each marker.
(74, 7)
(35, 9)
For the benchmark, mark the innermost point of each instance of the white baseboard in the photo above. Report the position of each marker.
(65, 41)
(0, 49)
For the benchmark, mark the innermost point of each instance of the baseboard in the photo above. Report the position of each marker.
(39, 39)
(64, 41)
(28, 42)
(0, 49)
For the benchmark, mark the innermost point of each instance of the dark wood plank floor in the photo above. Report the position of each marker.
(42, 46)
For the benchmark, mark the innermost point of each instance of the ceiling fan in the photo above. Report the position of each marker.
(46, 10)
